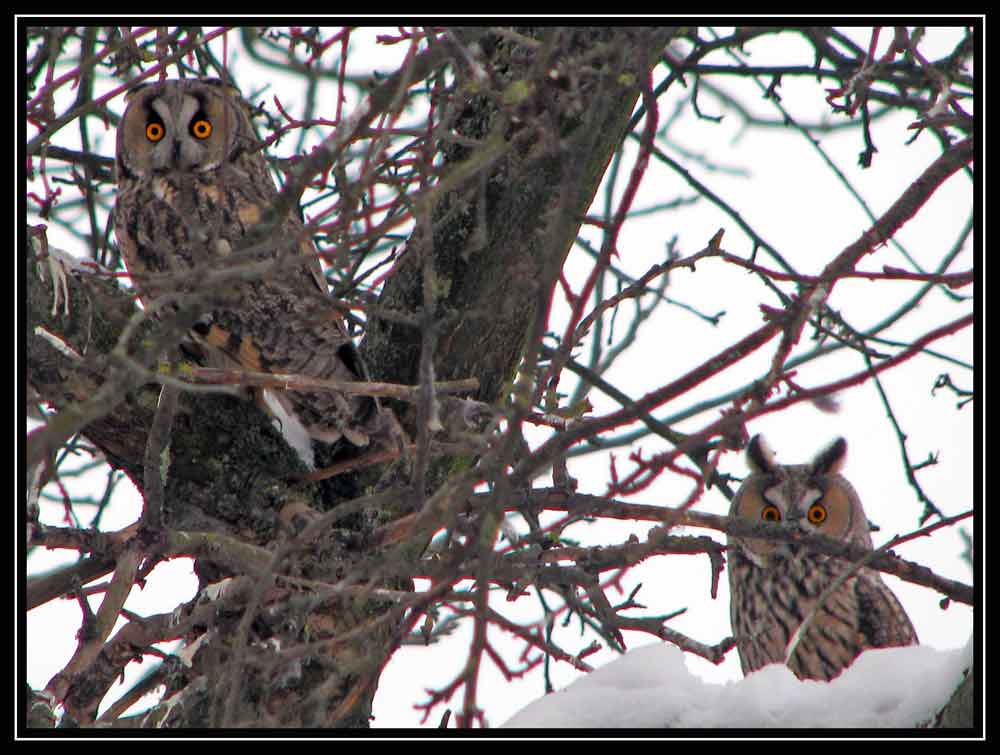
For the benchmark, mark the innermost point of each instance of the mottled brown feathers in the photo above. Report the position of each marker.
(193, 188)
(775, 586)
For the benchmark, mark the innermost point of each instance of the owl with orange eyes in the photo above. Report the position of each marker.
(775, 586)
(191, 220)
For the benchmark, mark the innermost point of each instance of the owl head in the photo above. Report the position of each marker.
(189, 125)
(813, 497)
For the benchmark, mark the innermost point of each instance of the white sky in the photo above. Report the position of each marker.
(792, 199)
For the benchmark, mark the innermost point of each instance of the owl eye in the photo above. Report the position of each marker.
(201, 129)
(154, 131)
(816, 514)
(770, 513)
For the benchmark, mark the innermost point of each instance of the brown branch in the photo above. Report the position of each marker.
(294, 382)
(654, 626)
(951, 280)
(733, 421)
(579, 504)
(901, 211)
(640, 286)
(156, 459)
(91, 641)
(588, 428)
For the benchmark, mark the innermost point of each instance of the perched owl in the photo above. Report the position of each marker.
(192, 188)
(774, 586)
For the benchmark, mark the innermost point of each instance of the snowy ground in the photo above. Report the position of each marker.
(650, 687)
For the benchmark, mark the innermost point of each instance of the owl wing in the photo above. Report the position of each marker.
(287, 323)
(882, 621)
(278, 321)
(313, 266)
(279, 328)
(255, 338)
(142, 257)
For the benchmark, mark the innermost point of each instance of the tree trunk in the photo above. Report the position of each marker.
(464, 301)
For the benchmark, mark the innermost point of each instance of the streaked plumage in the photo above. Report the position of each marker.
(775, 586)
(193, 188)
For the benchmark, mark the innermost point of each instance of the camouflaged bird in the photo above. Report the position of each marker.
(193, 187)
(776, 586)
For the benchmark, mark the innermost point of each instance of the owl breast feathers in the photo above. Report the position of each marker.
(776, 586)
(193, 192)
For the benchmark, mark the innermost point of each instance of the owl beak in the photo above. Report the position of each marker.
(797, 519)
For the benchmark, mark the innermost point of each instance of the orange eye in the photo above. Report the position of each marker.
(154, 131)
(816, 514)
(201, 129)
(770, 513)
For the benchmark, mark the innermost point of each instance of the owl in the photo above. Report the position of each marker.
(774, 586)
(193, 189)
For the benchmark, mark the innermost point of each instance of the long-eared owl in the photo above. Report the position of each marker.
(194, 193)
(774, 585)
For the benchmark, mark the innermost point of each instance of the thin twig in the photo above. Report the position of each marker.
(295, 382)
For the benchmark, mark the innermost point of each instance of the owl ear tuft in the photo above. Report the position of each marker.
(831, 459)
(760, 457)
(228, 87)
(136, 89)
